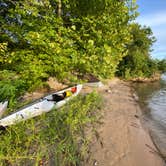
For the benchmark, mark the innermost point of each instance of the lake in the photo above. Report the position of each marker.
(152, 98)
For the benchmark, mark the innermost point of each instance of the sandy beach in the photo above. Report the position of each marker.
(121, 140)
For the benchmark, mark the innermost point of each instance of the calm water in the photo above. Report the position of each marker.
(153, 101)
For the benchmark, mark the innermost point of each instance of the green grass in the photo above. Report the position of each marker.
(56, 138)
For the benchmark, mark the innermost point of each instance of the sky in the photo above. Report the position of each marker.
(153, 14)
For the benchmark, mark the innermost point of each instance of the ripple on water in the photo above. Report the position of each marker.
(157, 105)
(154, 97)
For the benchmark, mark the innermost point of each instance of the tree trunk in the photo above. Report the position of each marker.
(59, 8)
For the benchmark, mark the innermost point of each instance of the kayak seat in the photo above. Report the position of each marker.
(57, 97)
(2, 128)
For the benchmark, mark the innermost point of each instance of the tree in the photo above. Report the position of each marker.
(138, 61)
(162, 65)
(62, 38)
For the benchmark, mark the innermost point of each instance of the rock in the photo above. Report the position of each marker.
(135, 97)
(108, 91)
(95, 163)
(136, 116)
(54, 84)
(94, 84)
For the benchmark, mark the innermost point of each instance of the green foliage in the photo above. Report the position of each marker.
(162, 65)
(56, 138)
(64, 39)
(61, 39)
(41, 44)
(138, 63)
(11, 86)
(84, 8)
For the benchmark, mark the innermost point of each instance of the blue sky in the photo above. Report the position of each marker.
(153, 14)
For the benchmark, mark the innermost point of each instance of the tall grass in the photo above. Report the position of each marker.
(56, 138)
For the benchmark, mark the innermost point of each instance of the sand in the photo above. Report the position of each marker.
(121, 140)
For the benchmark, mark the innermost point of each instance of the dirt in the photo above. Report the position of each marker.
(121, 140)
(53, 86)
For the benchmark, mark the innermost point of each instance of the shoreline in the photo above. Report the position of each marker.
(122, 139)
(153, 127)
(155, 77)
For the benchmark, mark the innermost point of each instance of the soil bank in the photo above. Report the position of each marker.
(121, 140)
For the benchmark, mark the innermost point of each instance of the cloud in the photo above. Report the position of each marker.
(157, 22)
(153, 19)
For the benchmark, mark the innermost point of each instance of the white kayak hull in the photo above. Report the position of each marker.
(37, 108)
(3, 107)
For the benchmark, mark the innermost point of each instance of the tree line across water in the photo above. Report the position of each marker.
(68, 39)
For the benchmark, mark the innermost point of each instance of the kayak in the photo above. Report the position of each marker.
(43, 105)
(3, 107)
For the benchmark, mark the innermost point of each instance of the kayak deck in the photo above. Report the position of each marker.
(41, 106)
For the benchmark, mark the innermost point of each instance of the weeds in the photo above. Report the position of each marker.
(56, 138)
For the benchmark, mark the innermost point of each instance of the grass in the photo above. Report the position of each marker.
(56, 138)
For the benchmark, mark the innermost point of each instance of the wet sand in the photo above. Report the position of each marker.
(121, 140)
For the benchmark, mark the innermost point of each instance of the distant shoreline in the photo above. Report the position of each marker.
(155, 77)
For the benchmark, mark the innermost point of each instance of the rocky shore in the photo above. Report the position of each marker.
(153, 78)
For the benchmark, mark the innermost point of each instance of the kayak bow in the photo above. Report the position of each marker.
(43, 105)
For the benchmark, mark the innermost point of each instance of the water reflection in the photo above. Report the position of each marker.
(153, 99)
(157, 105)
